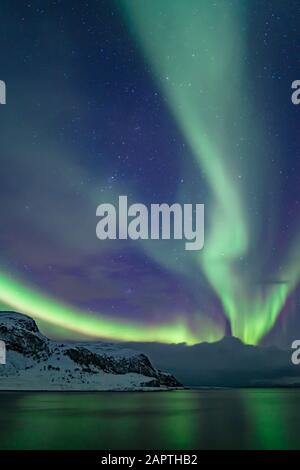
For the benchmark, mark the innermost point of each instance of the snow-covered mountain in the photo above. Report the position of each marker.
(34, 362)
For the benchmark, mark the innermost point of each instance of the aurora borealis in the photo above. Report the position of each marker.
(165, 102)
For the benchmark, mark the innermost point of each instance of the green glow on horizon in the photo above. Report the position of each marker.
(196, 51)
(21, 298)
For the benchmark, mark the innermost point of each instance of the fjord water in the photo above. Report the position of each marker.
(183, 419)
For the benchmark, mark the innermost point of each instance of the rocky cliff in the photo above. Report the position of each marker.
(34, 362)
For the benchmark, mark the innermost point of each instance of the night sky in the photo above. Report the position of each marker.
(163, 101)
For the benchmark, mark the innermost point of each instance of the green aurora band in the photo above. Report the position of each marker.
(198, 65)
(21, 298)
(200, 69)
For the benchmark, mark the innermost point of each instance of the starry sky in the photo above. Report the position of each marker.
(174, 101)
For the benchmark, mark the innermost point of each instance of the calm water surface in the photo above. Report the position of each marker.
(190, 419)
